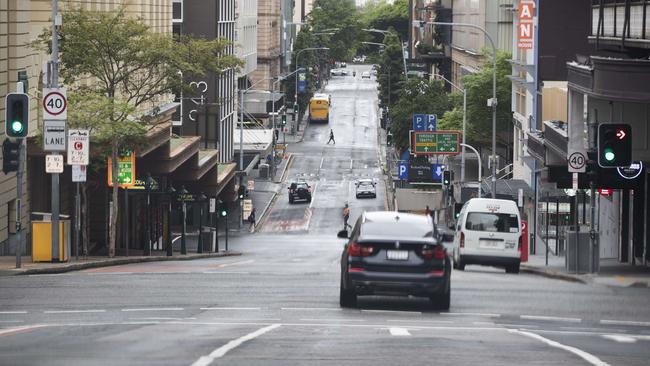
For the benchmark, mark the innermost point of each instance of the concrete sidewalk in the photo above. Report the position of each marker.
(8, 263)
(612, 272)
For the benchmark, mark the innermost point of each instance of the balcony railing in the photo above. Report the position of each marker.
(623, 23)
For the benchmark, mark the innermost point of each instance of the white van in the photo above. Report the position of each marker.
(488, 232)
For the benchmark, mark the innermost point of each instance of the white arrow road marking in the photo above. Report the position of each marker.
(221, 351)
(399, 332)
(619, 338)
(578, 352)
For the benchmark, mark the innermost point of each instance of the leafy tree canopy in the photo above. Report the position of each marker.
(380, 14)
(391, 70)
(340, 14)
(417, 96)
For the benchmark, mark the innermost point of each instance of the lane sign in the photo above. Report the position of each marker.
(55, 104)
(53, 135)
(79, 173)
(78, 147)
(577, 162)
(54, 164)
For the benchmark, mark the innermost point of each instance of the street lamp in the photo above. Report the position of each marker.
(462, 156)
(295, 95)
(491, 102)
(401, 46)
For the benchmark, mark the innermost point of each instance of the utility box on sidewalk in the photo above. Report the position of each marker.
(264, 171)
(578, 254)
(42, 238)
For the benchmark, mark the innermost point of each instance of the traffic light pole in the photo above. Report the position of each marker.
(55, 176)
(19, 198)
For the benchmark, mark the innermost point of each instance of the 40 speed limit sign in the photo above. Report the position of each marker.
(577, 162)
(55, 104)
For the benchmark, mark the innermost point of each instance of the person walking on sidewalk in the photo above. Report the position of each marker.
(251, 220)
(346, 217)
(331, 137)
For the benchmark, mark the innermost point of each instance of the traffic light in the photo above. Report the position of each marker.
(17, 115)
(223, 209)
(457, 208)
(241, 192)
(446, 178)
(614, 145)
(10, 156)
(283, 120)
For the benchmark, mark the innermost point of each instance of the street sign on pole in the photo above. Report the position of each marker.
(577, 162)
(435, 142)
(55, 104)
(54, 163)
(213, 205)
(425, 122)
(78, 147)
(53, 135)
(402, 170)
(437, 170)
(125, 170)
(79, 173)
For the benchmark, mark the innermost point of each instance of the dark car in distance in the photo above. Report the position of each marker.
(299, 191)
(394, 253)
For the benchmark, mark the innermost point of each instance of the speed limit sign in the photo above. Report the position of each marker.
(55, 104)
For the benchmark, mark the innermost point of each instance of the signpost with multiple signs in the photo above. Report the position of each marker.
(435, 142)
(125, 170)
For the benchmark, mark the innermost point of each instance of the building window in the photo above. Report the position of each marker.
(520, 99)
(177, 11)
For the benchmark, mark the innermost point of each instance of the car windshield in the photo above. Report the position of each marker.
(494, 222)
(365, 184)
(401, 229)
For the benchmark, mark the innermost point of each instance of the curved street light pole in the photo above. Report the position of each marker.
(462, 155)
(492, 102)
(401, 46)
(295, 95)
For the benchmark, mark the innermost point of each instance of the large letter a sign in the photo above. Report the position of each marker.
(525, 26)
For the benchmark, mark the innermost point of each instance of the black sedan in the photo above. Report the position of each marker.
(299, 191)
(393, 253)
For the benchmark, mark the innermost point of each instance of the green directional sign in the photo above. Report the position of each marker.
(435, 142)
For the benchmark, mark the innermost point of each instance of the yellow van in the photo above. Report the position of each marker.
(319, 108)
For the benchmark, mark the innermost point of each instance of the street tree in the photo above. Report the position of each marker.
(417, 96)
(379, 14)
(117, 69)
(342, 15)
(479, 115)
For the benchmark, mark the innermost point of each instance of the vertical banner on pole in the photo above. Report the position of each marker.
(525, 27)
(302, 81)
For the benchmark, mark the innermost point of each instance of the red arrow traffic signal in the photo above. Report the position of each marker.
(620, 134)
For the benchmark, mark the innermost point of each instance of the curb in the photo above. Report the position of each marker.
(286, 169)
(553, 275)
(115, 262)
(262, 219)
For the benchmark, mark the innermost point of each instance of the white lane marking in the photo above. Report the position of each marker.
(551, 318)
(488, 315)
(351, 163)
(221, 351)
(600, 330)
(392, 312)
(400, 332)
(229, 308)
(74, 311)
(267, 320)
(321, 163)
(313, 196)
(238, 263)
(12, 321)
(419, 321)
(9, 331)
(113, 273)
(154, 309)
(625, 322)
(13, 312)
(576, 351)
(619, 338)
(161, 318)
(224, 272)
(328, 309)
(330, 320)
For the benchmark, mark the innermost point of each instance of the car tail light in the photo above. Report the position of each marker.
(356, 250)
(438, 273)
(355, 269)
(462, 240)
(520, 245)
(437, 252)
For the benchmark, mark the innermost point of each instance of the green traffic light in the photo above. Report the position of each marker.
(223, 213)
(609, 154)
(17, 127)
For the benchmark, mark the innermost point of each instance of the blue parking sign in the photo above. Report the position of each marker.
(432, 122)
(419, 122)
(436, 170)
(403, 170)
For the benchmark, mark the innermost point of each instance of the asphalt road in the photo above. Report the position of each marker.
(277, 304)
